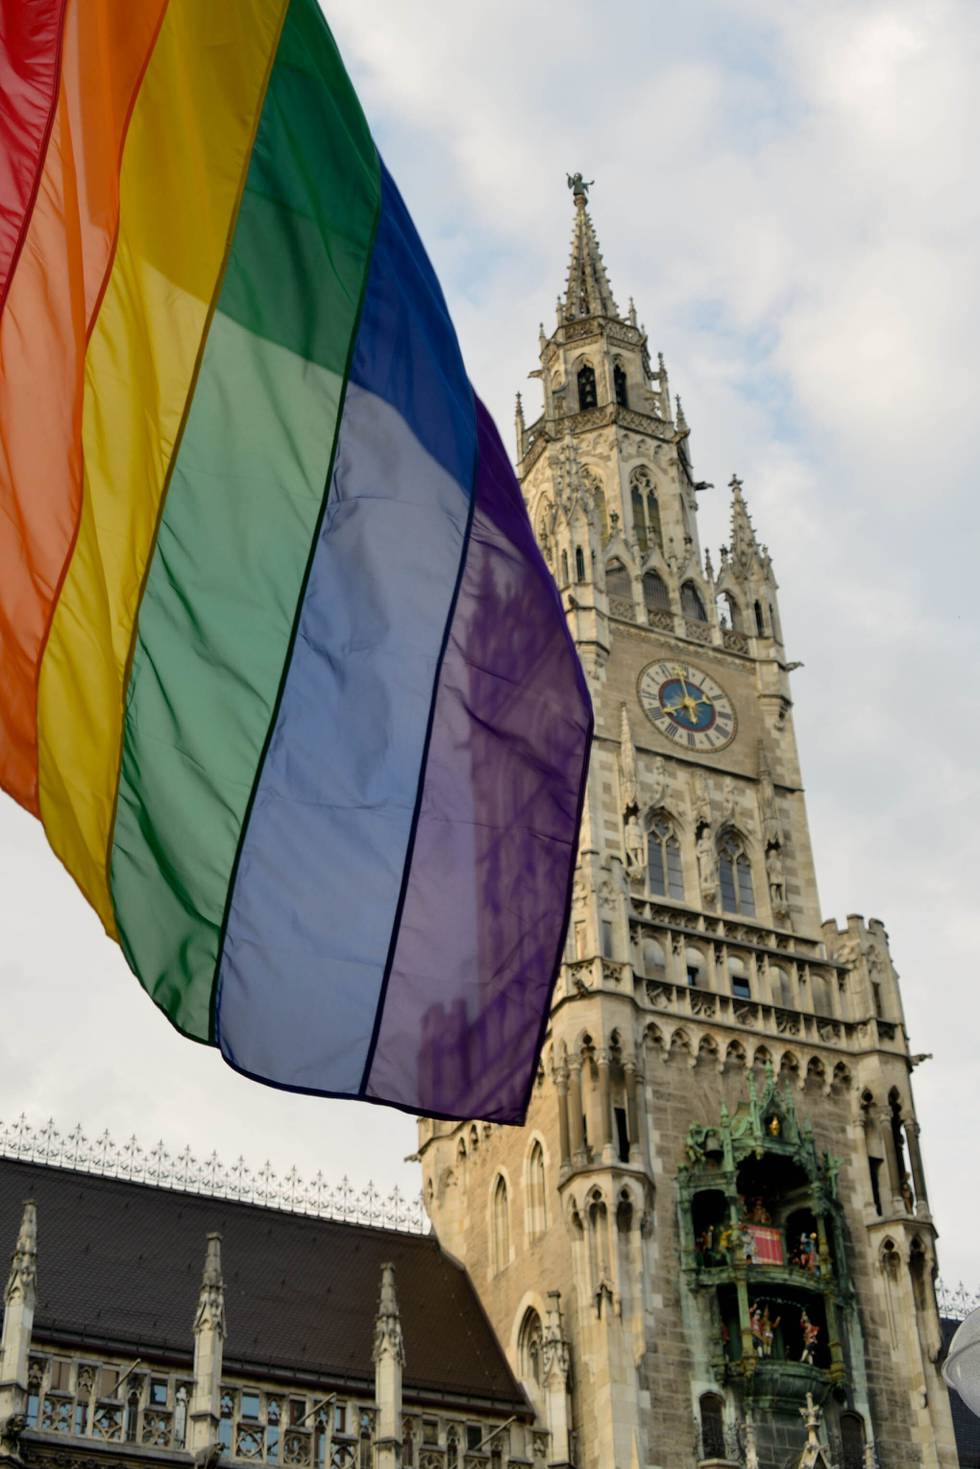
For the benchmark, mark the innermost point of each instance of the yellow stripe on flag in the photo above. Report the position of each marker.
(184, 166)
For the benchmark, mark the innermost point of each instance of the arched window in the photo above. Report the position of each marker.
(712, 1413)
(694, 964)
(919, 1271)
(852, 1441)
(579, 564)
(501, 1224)
(760, 622)
(639, 517)
(729, 614)
(586, 388)
(653, 520)
(619, 386)
(618, 583)
(564, 568)
(654, 959)
(537, 1220)
(529, 1347)
(691, 604)
(738, 978)
(735, 876)
(772, 622)
(664, 872)
(782, 991)
(656, 597)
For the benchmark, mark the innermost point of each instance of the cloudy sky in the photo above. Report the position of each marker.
(790, 194)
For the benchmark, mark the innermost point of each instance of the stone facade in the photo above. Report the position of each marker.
(702, 996)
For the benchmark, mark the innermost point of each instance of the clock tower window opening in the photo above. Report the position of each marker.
(735, 876)
(729, 613)
(691, 603)
(619, 386)
(579, 564)
(656, 597)
(587, 397)
(618, 583)
(739, 980)
(760, 621)
(665, 873)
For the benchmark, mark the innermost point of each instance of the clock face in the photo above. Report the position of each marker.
(687, 706)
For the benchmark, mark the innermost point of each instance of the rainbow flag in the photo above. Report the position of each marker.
(282, 671)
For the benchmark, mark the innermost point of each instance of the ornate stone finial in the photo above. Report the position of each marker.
(22, 1280)
(587, 291)
(580, 188)
(211, 1302)
(388, 1340)
(811, 1417)
(632, 313)
(709, 570)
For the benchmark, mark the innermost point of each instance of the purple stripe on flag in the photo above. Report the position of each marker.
(485, 906)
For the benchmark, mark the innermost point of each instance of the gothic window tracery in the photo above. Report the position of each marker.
(536, 1192)
(691, 603)
(735, 875)
(656, 597)
(500, 1224)
(587, 396)
(579, 564)
(665, 873)
(646, 510)
(530, 1345)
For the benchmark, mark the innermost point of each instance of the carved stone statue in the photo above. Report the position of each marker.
(579, 186)
(776, 877)
(728, 801)
(635, 847)
(707, 864)
(701, 800)
(658, 786)
(627, 765)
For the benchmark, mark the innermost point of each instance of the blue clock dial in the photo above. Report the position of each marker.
(687, 706)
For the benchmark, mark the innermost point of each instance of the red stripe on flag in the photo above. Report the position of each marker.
(30, 56)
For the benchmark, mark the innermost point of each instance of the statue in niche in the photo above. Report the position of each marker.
(776, 877)
(635, 846)
(658, 786)
(707, 863)
(728, 802)
(701, 800)
(810, 1331)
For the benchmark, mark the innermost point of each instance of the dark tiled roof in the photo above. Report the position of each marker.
(966, 1424)
(119, 1264)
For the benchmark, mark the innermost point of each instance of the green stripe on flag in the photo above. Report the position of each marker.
(243, 507)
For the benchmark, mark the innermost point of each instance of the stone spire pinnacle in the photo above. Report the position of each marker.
(22, 1280)
(211, 1302)
(588, 292)
(388, 1339)
(745, 545)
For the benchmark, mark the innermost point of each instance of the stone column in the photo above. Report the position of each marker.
(891, 1159)
(555, 1362)
(20, 1299)
(561, 1086)
(633, 1109)
(204, 1417)
(834, 1346)
(605, 1104)
(575, 1108)
(915, 1163)
(389, 1361)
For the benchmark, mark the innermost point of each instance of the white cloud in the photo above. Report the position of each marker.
(790, 194)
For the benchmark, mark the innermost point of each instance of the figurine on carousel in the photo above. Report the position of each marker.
(768, 1332)
(755, 1326)
(810, 1332)
(760, 1214)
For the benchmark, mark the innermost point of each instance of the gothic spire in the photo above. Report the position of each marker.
(211, 1302)
(23, 1265)
(588, 292)
(745, 546)
(387, 1324)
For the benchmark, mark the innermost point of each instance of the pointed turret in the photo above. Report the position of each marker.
(389, 1360)
(744, 544)
(556, 1364)
(20, 1299)
(209, 1338)
(588, 292)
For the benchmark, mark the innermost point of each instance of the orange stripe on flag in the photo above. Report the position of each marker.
(52, 303)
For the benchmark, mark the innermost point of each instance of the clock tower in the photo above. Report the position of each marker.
(712, 1240)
